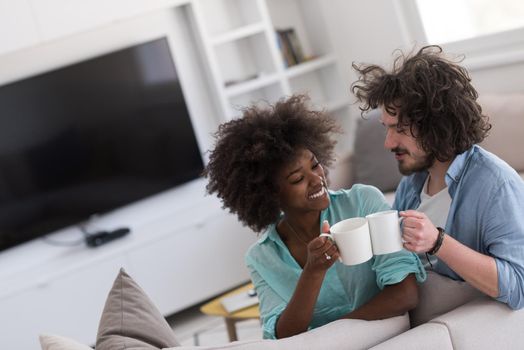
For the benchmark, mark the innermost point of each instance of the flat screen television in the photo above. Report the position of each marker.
(91, 137)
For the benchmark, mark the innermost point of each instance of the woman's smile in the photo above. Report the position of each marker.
(318, 194)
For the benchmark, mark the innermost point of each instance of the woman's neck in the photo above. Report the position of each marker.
(306, 225)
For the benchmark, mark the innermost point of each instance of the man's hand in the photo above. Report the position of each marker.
(418, 232)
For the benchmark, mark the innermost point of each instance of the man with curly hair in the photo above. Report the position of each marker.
(268, 168)
(463, 206)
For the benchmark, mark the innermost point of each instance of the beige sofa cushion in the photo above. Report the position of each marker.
(506, 113)
(429, 336)
(341, 334)
(484, 324)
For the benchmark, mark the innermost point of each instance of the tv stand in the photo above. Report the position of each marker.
(188, 252)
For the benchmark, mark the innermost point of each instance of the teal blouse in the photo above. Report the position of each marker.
(275, 272)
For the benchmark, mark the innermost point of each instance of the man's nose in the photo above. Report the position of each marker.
(390, 140)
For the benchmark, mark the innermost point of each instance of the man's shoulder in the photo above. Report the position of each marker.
(489, 168)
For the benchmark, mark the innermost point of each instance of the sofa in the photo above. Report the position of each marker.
(131, 321)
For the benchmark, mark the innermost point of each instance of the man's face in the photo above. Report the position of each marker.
(410, 156)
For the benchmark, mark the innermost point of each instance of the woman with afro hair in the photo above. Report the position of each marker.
(269, 168)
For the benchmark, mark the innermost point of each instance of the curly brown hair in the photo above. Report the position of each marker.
(434, 98)
(250, 150)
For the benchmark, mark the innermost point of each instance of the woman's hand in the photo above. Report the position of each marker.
(297, 316)
(322, 253)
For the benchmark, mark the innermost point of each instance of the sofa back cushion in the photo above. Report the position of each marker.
(506, 137)
(372, 164)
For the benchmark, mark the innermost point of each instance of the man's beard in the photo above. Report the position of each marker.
(419, 164)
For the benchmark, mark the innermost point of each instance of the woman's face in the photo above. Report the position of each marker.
(302, 184)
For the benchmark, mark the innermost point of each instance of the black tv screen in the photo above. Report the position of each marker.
(91, 137)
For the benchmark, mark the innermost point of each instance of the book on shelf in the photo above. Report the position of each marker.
(290, 46)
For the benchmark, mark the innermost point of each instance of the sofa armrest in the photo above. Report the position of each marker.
(342, 334)
(429, 336)
(484, 324)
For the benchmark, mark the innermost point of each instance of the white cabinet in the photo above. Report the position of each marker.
(17, 26)
(192, 262)
(68, 304)
(246, 57)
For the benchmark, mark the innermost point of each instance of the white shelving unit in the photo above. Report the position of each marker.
(245, 62)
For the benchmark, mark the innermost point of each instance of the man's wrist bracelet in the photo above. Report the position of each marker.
(438, 242)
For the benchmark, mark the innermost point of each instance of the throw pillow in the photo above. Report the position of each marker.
(130, 320)
(56, 342)
(372, 164)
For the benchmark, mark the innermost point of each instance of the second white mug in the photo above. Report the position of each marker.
(385, 233)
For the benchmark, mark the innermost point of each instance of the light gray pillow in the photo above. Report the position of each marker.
(372, 164)
(56, 342)
(131, 321)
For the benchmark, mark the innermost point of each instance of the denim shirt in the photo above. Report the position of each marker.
(486, 214)
(275, 272)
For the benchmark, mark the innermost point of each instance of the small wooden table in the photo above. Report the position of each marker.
(215, 308)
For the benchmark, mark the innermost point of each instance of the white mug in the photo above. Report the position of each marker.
(384, 228)
(352, 239)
